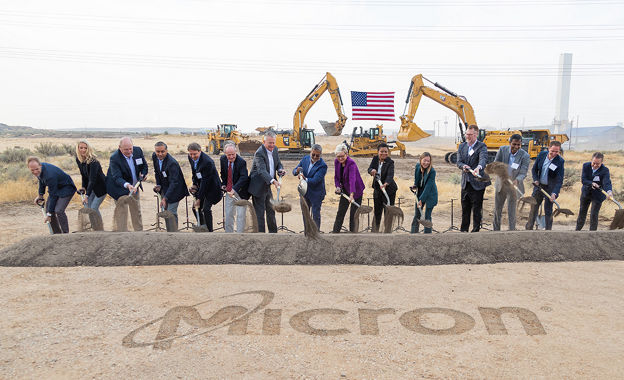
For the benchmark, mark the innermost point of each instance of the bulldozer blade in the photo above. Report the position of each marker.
(618, 220)
(249, 146)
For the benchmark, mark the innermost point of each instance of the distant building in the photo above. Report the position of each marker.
(605, 138)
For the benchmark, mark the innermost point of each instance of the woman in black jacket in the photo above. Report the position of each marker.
(93, 179)
(382, 168)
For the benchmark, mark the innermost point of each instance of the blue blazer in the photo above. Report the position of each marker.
(428, 192)
(315, 177)
(58, 182)
(601, 177)
(170, 179)
(555, 177)
(206, 178)
(119, 172)
(240, 176)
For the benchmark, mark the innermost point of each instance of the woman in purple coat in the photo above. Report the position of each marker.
(348, 180)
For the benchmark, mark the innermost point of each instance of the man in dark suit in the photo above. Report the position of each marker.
(313, 169)
(547, 174)
(264, 170)
(206, 184)
(234, 181)
(127, 166)
(61, 189)
(595, 176)
(170, 182)
(472, 155)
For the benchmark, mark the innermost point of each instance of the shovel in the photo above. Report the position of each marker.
(559, 210)
(479, 177)
(94, 218)
(618, 218)
(252, 211)
(424, 222)
(501, 170)
(170, 221)
(361, 209)
(53, 225)
(392, 212)
(280, 206)
(197, 227)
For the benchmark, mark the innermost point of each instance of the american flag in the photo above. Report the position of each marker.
(372, 105)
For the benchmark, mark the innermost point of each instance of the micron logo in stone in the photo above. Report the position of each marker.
(235, 319)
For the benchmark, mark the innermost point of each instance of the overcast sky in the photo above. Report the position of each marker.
(126, 64)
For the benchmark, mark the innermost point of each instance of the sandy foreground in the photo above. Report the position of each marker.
(559, 320)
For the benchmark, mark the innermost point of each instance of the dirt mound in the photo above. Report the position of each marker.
(121, 249)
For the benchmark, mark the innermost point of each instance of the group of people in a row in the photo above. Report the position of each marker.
(128, 168)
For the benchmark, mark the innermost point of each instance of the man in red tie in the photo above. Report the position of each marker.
(234, 181)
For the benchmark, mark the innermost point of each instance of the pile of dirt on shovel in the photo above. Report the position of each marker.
(158, 248)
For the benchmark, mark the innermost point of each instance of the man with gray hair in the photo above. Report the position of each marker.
(313, 169)
(234, 181)
(264, 171)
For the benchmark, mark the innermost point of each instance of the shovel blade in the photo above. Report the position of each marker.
(281, 207)
(618, 220)
(530, 200)
(425, 223)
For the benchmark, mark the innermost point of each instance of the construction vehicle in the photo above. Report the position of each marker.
(228, 132)
(295, 141)
(364, 143)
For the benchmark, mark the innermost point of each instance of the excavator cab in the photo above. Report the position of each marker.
(227, 129)
(307, 137)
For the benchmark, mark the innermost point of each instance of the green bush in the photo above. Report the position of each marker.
(14, 172)
(455, 178)
(15, 155)
(48, 149)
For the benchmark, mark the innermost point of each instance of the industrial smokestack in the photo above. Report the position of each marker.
(562, 121)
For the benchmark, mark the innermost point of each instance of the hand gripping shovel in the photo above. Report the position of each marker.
(276, 204)
(94, 218)
(392, 212)
(423, 222)
(559, 210)
(170, 221)
(618, 218)
(53, 225)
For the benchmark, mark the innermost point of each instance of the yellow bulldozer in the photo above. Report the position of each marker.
(364, 143)
(229, 132)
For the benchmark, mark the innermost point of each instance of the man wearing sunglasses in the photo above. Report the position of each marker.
(312, 169)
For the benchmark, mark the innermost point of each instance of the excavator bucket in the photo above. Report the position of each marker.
(329, 128)
(411, 132)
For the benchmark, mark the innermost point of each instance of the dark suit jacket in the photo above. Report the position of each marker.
(387, 176)
(58, 182)
(93, 179)
(170, 179)
(315, 177)
(240, 178)
(428, 191)
(603, 180)
(555, 177)
(479, 157)
(119, 172)
(259, 177)
(209, 185)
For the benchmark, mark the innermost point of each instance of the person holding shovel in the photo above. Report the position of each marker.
(313, 169)
(426, 191)
(517, 161)
(547, 174)
(206, 184)
(170, 183)
(381, 169)
(595, 176)
(93, 179)
(234, 181)
(347, 180)
(60, 187)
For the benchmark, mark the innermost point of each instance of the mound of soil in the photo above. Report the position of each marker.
(158, 248)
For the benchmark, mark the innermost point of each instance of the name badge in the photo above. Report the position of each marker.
(198, 175)
(164, 173)
(139, 161)
(552, 167)
(597, 178)
(515, 165)
(470, 152)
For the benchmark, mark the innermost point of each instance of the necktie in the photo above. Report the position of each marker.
(228, 187)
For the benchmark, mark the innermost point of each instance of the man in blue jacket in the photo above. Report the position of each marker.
(595, 176)
(170, 182)
(312, 169)
(61, 189)
(234, 181)
(206, 184)
(547, 174)
(127, 166)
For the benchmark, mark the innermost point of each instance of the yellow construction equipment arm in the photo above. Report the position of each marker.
(327, 83)
(410, 131)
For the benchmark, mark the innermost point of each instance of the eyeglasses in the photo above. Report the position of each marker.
(341, 155)
(315, 155)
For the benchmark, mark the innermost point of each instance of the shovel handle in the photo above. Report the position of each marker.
(547, 196)
(349, 199)
(612, 199)
(383, 190)
(515, 187)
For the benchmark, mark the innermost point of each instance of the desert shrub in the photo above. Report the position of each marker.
(67, 164)
(15, 155)
(455, 178)
(571, 177)
(15, 172)
(48, 149)
(18, 191)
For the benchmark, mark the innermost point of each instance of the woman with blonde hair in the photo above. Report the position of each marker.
(426, 190)
(347, 180)
(93, 179)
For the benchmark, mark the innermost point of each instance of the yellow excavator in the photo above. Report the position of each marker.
(229, 132)
(300, 137)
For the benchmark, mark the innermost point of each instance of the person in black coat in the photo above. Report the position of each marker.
(547, 172)
(61, 189)
(93, 179)
(206, 184)
(595, 176)
(170, 182)
(382, 168)
(234, 181)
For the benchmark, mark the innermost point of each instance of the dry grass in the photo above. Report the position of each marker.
(18, 191)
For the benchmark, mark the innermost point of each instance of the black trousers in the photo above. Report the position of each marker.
(205, 216)
(379, 199)
(593, 216)
(262, 205)
(471, 201)
(342, 211)
(548, 209)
